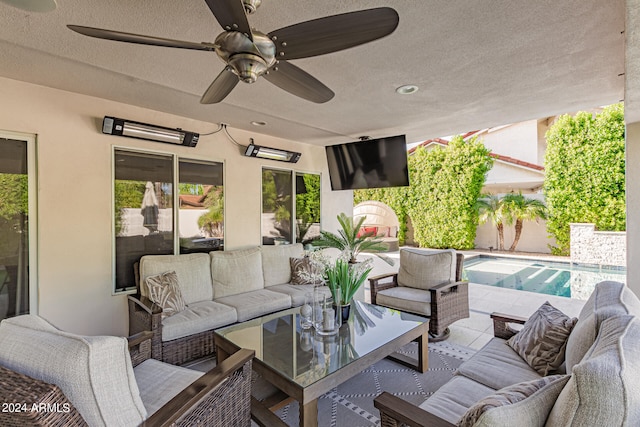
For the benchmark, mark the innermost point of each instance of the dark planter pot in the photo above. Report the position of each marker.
(345, 309)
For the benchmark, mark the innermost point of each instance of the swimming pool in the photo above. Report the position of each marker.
(545, 277)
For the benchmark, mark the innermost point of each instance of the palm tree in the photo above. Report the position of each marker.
(350, 242)
(523, 209)
(491, 208)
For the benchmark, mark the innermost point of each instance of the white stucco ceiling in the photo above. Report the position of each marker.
(478, 64)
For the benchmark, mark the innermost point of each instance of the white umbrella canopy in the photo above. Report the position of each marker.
(149, 208)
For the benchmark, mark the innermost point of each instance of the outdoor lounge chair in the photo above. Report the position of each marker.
(428, 283)
(80, 380)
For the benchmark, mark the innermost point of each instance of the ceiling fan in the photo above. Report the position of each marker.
(249, 54)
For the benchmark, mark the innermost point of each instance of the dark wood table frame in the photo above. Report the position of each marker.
(308, 396)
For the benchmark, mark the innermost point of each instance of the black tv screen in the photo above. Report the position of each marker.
(373, 163)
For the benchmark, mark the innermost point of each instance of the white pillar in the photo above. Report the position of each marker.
(632, 118)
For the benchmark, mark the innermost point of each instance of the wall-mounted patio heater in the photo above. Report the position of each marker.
(131, 129)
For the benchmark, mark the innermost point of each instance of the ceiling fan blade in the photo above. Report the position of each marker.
(139, 39)
(334, 33)
(298, 82)
(231, 15)
(220, 88)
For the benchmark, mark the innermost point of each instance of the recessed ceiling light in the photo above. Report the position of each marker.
(407, 89)
(257, 123)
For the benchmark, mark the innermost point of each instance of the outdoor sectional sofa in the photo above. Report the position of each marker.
(219, 288)
(601, 387)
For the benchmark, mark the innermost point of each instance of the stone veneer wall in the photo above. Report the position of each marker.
(589, 246)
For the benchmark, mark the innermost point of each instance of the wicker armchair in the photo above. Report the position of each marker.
(153, 394)
(428, 283)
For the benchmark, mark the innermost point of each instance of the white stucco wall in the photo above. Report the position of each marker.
(75, 194)
(519, 140)
(534, 237)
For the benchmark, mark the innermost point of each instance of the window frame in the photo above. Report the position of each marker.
(175, 164)
(33, 184)
(294, 223)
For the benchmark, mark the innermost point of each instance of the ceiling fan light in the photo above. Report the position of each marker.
(33, 5)
(248, 67)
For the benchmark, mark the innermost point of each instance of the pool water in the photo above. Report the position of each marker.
(545, 277)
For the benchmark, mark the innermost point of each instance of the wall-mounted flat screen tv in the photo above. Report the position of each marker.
(373, 163)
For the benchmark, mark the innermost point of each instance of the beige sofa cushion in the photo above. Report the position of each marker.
(497, 366)
(275, 263)
(424, 268)
(298, 292)
(235, 272)
(197, 317)
(95, 373)
(193, 271)
(254, 304)
(524, 404)
(604, 389)
(608, 298)
(453, 400)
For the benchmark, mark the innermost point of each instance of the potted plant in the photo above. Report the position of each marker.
(349, 242)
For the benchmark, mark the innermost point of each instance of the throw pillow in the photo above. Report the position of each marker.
(543, 339)
(304, 272)
(164, 290)
(534, 401)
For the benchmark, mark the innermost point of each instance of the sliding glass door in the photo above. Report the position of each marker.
(16, 205)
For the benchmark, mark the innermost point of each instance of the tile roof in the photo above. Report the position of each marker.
(500, 157)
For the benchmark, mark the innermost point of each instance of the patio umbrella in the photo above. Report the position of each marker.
(149, 209)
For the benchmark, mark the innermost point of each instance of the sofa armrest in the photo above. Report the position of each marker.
(396, 412)
(219, 397)
(140, 347)
(380, 283)
(144, 315)
(501, 328)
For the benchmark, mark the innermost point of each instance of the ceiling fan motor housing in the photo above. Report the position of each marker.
(248, 59)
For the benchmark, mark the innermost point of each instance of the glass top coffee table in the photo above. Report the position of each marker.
(304, 365)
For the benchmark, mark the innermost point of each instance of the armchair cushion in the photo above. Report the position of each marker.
(193, 271)
(524, 404)
(235, 272)
(159, 382)
(406, 299)
(275, 263)
(543, 339)
(95, 373)
(423, 269)
(163, 289)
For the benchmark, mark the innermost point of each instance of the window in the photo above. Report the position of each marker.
(145, 217)
(201, 204)
(17, 243)
(278, 189)
(307, 207)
